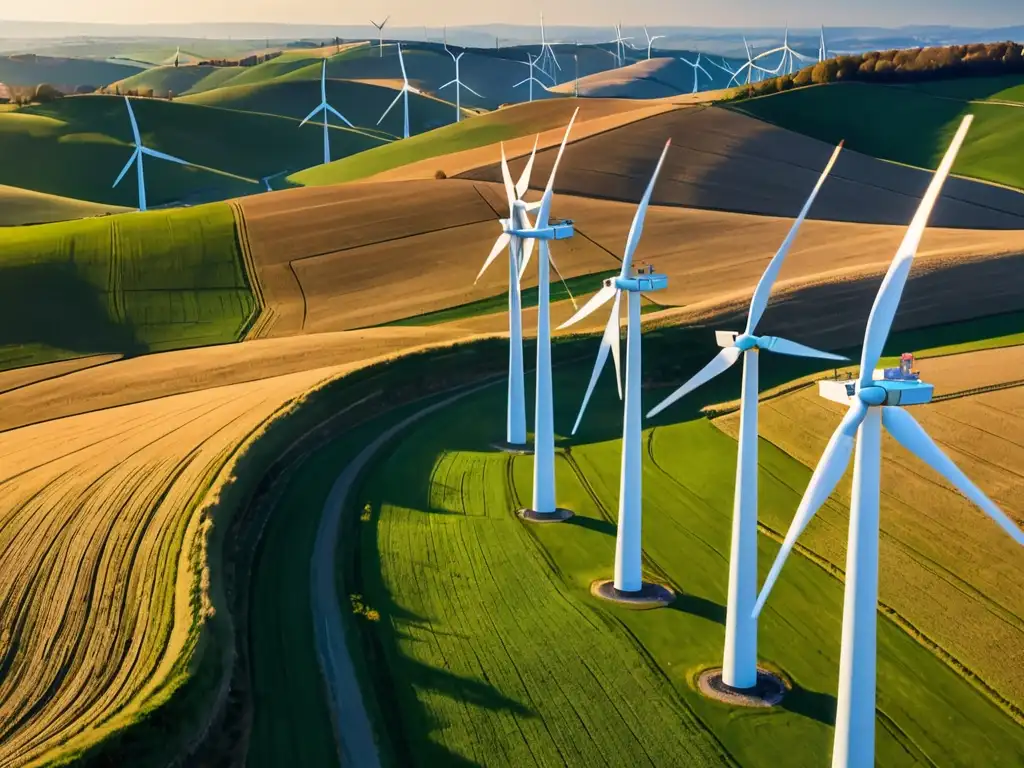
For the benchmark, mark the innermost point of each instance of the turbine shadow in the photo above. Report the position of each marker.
(815, 705)
(592, 524)
(695, 605)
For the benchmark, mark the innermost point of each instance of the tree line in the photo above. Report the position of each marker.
(910, 65)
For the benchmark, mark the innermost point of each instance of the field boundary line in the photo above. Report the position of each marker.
(263, 318)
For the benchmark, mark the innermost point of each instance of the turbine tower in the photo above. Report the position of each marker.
(650, 41)
(822, 46)
(739, 665)
(697, 69)
(459, 85)
(402, 94)
(548, 61)
(515, 426)
(532, 64)
(545, 230)
(628, 547)
(380, 33)
(620, 45)
(874, 401)
(139, 153)
(328, 110)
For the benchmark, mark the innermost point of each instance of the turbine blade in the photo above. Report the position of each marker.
(524, 178)
(472, 91)
(527, 253)
(338, 115)
(401, 63)
(759, 301)
(312, 114)
(162, 156)
(720, 363)
(911, 435)
(390, 106)
(888, 298)
(545, 208)
(831, 467)
(609, 344)
(597, 301)
(450, 82)
(499, 245)
(127, 166)
(135, 125)
(636, 229)
(506, 177)
(786, 347)
(323, 82)
(564, 284)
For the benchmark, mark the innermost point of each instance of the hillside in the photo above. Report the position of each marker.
(179, 80)
(130, 284)
(911, 125)
(650, 79)
(724, 160)
(28, 69)
(91, 136)
(23, 206)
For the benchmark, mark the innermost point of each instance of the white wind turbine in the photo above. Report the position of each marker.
(822, 46)
(628, 548)
(650, 41)
(403, 93)
(548, 61)
(874, 403)
(328, 110)
(532, 64)
(139, 153)
(739, 666)
(380, 33)
(459, 85)
(620, 45)
(515, 432)
(545, 230)
(697, 69)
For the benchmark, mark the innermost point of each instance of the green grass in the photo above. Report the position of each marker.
(1003, 88)
(180, 80)
(489, 649)
(61, 71)
(132, 283)
(480, 131)
(580, 286)
(75, 148)
(23, 206)
(905, 125)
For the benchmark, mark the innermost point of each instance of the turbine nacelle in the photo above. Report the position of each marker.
(556, 230)
(879, 392)
(646, 282)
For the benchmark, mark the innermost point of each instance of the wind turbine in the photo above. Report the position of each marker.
(404, 92)
(328, 110)
(822, 46)
(532, 64)
(545, 230)
(650, 41)
(515, 428)
(874, 402)
(458, 84)
(739, 666)
(620, 44)
(697, 69)
(548, 61)
(140, 152)
(380, 33)
(628, 549)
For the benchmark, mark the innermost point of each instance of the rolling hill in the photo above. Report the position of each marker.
(23, 206)
(910, 125)
(177, 80)
(75, 147)
(650, 79)
(28, 69)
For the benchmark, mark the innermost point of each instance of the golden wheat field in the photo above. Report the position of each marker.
(100, 527)
(947, 571)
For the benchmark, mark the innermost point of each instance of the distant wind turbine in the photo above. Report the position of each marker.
(697, 69)
(328, 110)
(548, 61)
(822, 46)
(402, 94)
(650, 41)
(739, 666)
(380, 33)
(620, 45)
(140, 152)
(532, 64)
(459, 85)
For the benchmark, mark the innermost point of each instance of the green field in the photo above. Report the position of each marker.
(906, 125)
(483, 130)
(27, 69)
(75, 148)
(132, 283)
(178, 80)
(1003, 88)
(23, 206)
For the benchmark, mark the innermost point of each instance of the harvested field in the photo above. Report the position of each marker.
(155, 376)
(97, 527)
(24, 377)
(946, 570)
(723, 160)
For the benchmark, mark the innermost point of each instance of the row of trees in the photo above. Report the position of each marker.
(248, 61)
(903, 66)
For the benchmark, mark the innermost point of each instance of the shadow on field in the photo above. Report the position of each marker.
(811, 704)
(591, 524)
(699, 606)
(51, 304)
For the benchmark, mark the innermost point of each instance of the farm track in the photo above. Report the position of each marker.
(94, 548)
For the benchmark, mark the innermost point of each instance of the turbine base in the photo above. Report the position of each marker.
(533, 516)
(520, 449)
(768, 692)
(650, 595)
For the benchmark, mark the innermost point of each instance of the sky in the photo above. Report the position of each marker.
(698, 13)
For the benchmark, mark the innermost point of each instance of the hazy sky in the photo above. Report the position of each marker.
(725, 13)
